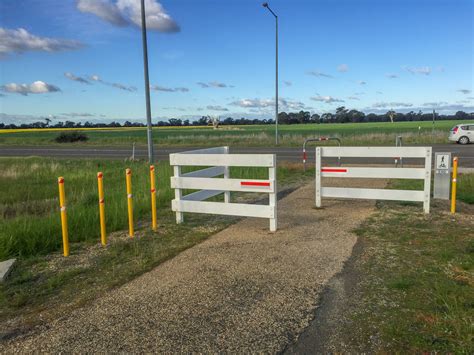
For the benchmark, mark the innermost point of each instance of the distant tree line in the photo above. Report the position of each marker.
(342, 115)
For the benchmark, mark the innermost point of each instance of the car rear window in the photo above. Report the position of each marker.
(465, 128)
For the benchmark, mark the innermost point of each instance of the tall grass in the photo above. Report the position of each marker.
(29, 207)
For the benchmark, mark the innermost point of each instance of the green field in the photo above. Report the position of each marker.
(258, 135)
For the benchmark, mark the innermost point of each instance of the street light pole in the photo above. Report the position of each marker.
(265, 4)
(147, 86)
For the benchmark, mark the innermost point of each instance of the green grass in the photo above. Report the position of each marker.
(44, 284)
(29, 205)
(418, 278)
(291, 135)
(47, 285)
(464, 191)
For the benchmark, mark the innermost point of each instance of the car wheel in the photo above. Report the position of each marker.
(463, 140)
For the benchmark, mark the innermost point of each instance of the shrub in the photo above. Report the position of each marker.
(71, 137)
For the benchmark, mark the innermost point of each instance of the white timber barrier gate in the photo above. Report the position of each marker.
(375, 172)
(218, 161)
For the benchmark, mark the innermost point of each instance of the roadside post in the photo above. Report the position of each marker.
(128, 179)
(454, 183)
(441, 178)
(100, 185)
(153, 197)
(62, 205)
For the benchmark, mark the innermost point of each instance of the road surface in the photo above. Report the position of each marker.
(464, 152)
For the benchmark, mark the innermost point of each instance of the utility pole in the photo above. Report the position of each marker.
(265, 4)
(147, 87)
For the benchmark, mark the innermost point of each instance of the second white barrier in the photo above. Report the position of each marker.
(375, 172)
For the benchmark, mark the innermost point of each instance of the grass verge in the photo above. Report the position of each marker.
(29, 205)
(44, 285)
(417, 279)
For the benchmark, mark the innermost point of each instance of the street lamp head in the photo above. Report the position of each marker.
(265, 4)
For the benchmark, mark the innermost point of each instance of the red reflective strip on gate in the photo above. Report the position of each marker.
(254, 183)
(304, 155)
(323, 139)
(333, 170)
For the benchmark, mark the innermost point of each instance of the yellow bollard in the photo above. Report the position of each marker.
(153, 197)
(453, 185)
(128, 176)
(62, 205)
(100, 184)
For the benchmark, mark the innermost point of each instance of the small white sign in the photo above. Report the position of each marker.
(442, 161)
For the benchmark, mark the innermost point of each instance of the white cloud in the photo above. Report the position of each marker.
(216, 108)
(326, 99)
(124, 12)
(38, 87)
(214, 84)
(353, 98)
(284, 104)
(319, 74)
(115, 85)
(435, 104)
(464, 91)
(253, 103)
(391, 76)
(361, 82)
(167, 89)
(287, 82)
(104, 9)
(20, 41)
(418, 70)
(379, 92)
(79, 79)
(343, 68)
(78, 114)
(391, 104)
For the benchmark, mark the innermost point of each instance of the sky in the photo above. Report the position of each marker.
(82, 59)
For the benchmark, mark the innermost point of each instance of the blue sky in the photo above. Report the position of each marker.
(82, 60)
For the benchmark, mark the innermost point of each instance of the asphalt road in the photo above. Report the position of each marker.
(465, 153)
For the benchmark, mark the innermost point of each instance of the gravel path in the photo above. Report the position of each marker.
(242, 290)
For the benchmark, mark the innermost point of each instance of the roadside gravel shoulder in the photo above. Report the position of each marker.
(244, 289)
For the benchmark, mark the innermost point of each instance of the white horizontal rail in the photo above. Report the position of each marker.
(374, 152)
(375, 173)
(216, 150)
(250, 160)
(373, 194)
(208, 172)
(201, 195)
(228, 209)
(266, 186)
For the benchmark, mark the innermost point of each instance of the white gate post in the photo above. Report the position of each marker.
(318, 177)
(177, 195)
(272, 197)
(427, 185)
(226, 176)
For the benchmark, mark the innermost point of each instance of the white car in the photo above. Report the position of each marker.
(462, 134)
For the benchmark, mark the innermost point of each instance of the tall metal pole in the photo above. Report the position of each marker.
(276, 83)
(265, 4)
(147, 86)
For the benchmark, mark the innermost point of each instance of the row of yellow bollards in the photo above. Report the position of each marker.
(100, 184)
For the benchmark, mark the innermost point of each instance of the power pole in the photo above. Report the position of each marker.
(147, 87)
